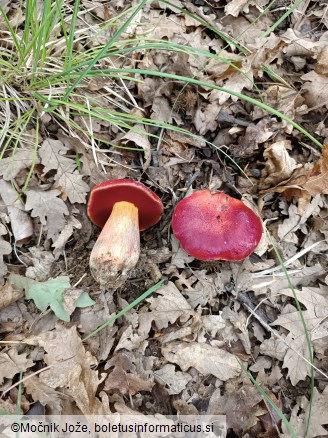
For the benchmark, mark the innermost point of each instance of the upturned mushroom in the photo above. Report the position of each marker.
(215, 226)
(123, 208)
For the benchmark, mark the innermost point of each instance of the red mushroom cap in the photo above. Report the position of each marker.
(106, 194)
(214, 226)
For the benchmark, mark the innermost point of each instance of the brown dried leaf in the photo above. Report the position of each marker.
(305, 182)
(236, 82)
(126, 383)
(175, 381)
(8, 405)
(279, 165)
(316, 302)
(240, 406)
(298, 368)
(203, 290)
(21, 223)
(139, 137)
(49, 208)
(317, 181)
(43, 393)
(234, 7)
(314, 299)
(322, 62)
(52, 153)
(130, 340)
(72, 368)
(12, 363)
(73, 186)
(9, 295)
(68, 180)
(67, 231)
(205, 358)
(180, 258)
(318, 413)
(11, 166)
(247, 144)
(316, 89)
(42, 264)
(287, 229)
(240, 331)
(5, 249)
(165, 309)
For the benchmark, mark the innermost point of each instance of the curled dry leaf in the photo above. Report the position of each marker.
(140, 138)
(254, 135)
(316, 182)
(305, 182)
(279, 165)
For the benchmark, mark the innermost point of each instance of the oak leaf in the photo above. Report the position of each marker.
(67, 179)
(205, 358)
(21, 159)
(72, 368)
(11, 363)
(126, 383)
(49, 208)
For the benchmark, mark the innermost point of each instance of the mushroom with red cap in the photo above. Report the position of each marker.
(123, 208)
(215, 226)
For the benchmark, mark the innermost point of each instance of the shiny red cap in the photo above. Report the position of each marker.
(104, 195)
(215, 226)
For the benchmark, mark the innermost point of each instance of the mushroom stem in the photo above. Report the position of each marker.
(117, 249)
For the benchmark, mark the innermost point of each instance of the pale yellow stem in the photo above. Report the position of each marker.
(117, 249)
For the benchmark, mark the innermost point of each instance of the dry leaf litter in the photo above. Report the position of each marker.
(180, 350)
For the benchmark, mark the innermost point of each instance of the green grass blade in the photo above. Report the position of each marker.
(269, 401)
(70, 41)
(281, 19)
(216, 87)
(306, 331)
(104, 49)
(225, 37)
(126, 309)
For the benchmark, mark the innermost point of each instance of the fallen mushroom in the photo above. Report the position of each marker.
(123, 208)
(215, 226)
